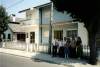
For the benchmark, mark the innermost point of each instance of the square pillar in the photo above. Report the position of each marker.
(27, 41)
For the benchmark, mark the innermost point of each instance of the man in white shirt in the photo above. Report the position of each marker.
(61, 48)
(54, 49)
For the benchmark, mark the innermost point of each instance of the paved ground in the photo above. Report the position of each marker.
(49, 58)
(8, 60)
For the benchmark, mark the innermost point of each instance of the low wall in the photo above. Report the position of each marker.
(14, 45)
(31, 47)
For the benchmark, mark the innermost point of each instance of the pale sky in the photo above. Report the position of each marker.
(14, 6)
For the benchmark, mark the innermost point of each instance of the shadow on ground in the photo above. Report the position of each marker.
(40, 57)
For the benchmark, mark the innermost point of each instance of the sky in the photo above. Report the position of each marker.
(14, 6)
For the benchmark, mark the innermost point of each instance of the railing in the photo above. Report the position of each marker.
(15, 45)
(86, 50)
(31, 47)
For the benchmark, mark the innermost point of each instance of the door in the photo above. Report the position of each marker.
(58, 34)
(32, 37)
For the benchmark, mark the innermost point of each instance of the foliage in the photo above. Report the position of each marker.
(4, 19)
(81, 10)
(88, 12)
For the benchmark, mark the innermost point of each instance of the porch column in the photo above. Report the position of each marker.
(81, 30)
(27, 41)
(64, 33)
(15, 37)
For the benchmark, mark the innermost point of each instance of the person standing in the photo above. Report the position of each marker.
(61, 48)
(73, 48)
(54, 48)
(66, 47)
(79, 49)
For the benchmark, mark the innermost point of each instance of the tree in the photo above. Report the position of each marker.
(86, 11)
(4, 19)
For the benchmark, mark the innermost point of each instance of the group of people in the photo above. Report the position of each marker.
(67, 48)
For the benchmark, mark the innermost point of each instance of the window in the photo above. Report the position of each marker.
(21, 37)
(71, 33)
(58, 34)
(9, 36)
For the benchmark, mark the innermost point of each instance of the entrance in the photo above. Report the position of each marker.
(58, 34)
(32, 37)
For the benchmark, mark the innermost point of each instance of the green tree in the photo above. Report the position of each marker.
(4, 19)
(86, 11)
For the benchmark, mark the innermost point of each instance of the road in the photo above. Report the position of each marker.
(8, 60)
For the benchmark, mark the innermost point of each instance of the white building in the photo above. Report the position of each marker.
(35, 29)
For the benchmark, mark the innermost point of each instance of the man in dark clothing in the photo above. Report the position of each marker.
(79, 48)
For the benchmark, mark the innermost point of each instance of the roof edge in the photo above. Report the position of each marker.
(39, 6)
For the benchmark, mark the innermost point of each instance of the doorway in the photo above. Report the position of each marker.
(32, 37)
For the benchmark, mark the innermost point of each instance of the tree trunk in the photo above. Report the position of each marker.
(0, 41)
(92, 45)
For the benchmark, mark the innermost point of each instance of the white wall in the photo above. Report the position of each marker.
(82, 32)
(45, 35)
(37, 36)
(33, 16)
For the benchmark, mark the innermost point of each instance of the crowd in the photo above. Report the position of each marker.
(67, 48)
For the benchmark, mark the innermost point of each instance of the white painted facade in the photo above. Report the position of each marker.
(34, 17)
(38, 19)
(82, 32)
